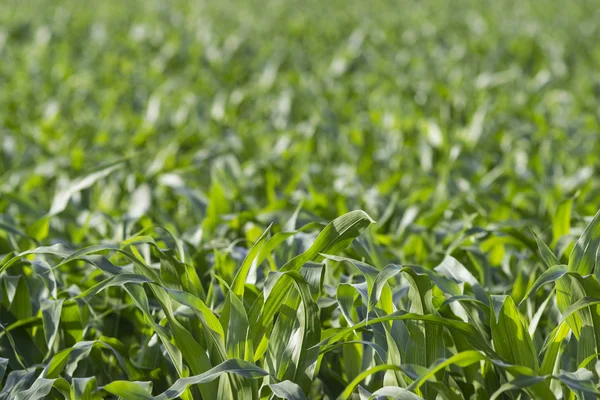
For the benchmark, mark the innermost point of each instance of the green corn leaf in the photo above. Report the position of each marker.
(117, 280)
(520, 382)
(238, 343)
(471, 334)
(579, 305)
(287, 390)
(546, 254)
(561, 222)
(580, 381)
(129, 390)
(552, 274)
(378, 285)
(37, 391)
(352, 385)
(336, 236)
(395, 393)
(553, 347)
(51, 312)
(135, 391)
(463, 359)
(83, 388)
(250, 261)
(20, 302)
(3, 366)
(511, 339)
(585, 255)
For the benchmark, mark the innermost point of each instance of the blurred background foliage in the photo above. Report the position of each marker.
(476, 108)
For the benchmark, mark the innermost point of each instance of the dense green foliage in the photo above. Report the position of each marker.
(178, 180)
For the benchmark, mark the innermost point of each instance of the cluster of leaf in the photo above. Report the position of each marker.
(168, 169)
(321, 325)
